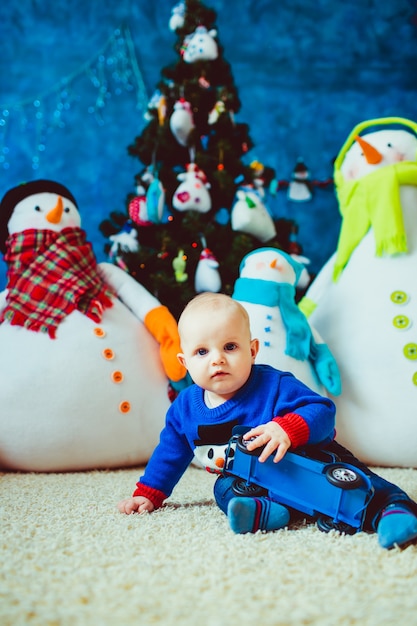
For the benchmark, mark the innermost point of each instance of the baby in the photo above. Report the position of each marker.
(280, 411)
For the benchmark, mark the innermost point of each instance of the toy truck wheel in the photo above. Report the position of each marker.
(326, 524)
(242, 445)
(343, 477)
(242, 488)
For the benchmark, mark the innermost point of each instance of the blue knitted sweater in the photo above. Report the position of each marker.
(307, 417)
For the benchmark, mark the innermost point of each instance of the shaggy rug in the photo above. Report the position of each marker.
(69, 558)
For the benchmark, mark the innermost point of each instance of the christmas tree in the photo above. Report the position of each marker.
(200, 203)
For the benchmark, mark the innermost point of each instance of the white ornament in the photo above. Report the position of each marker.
(201, 46)
(207, 277)
(192, 194)
(181, 121)
(249, 215)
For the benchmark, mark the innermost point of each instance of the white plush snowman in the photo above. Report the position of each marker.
(364, 300)
(266, 288)
(85, 351)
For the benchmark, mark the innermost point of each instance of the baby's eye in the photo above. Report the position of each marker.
(201, 351)
(230, 346)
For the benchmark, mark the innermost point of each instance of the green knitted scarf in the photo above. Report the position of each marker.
(373, 200)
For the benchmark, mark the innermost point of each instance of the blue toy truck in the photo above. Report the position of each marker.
(323, 487)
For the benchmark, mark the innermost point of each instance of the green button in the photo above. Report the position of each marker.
(410, 351)
(414, 379)
(402, 322)
(399, 297)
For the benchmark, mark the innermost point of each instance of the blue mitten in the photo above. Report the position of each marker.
(326, 368)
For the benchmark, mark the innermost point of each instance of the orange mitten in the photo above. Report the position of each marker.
(162, 325)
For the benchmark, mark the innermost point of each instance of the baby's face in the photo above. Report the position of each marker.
(218, 351)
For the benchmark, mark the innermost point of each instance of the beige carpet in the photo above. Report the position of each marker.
(69, 558)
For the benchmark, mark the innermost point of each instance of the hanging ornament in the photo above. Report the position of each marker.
(200, 45)
(155, 196)
(216, 111)
(179, 265)
(203, 82)
(162, 110)
(192, 194)
(299, 189)
(124, 241)
(293, 245)
(249, 215)
(207, 277)
(181, 121)
(177, 17)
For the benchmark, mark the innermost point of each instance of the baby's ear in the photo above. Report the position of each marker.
(181, 359)
(254, 347)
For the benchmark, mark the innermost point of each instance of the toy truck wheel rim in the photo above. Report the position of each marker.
(343, 477)
(326, 524)
(242, 488)
(242, 445)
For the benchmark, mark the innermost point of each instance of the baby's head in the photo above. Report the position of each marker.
(216, 343)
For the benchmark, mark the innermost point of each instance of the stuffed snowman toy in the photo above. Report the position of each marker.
(266, 289)
(364, 300)
(85, 351)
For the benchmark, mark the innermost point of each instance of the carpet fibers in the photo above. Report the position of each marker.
(69, 558)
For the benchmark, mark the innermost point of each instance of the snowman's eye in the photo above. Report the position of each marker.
(389, 145)
(67, 209)
(37, 208)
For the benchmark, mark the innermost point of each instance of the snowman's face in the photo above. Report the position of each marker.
(393, 145)
(268, 266)
(38, 210)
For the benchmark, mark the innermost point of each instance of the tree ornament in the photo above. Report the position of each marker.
(299, 189)
(207, 277)
(181, 121)
(249, 215)
(216, 111)
(179, 265)
(177, 17)
(155, 197)
(192, 194)
(200, 45)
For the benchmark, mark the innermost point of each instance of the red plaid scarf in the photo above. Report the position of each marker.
(50, 275)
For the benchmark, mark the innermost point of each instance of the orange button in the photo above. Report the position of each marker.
(124, 407)
(99, 332)
(117, 377)
(108, 354)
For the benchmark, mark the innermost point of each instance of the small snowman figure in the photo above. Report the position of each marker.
(266, 288)
(85, 351)
(207, 277)
(363, 301)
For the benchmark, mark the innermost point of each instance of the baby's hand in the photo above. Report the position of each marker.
(138, 504)
(270, 435)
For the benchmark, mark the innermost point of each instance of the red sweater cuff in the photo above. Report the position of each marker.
(154, 495)
(295, 427)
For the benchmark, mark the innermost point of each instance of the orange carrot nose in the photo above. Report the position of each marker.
(371, 154)
(219, 463)
(55, 214)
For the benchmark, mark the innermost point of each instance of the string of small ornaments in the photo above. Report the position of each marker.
(249, 213)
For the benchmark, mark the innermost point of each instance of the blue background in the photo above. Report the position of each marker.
(307, 72)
